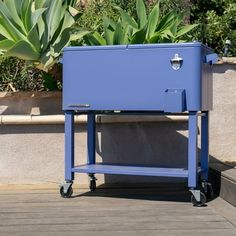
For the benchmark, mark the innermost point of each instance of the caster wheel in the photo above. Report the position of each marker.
(68, 194)
(208, 190)
(92, 185)
(202, 201)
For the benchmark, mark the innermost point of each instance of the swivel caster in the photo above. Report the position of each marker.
(92, 182)
(92, 185)
(66, 190)
(207, 189)
(200, 203)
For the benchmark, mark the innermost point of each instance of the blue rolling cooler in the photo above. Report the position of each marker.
(139, 79)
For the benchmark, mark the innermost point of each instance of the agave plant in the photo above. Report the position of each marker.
(36, 30)
(148, 28)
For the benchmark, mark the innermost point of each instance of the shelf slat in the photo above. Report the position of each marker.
(131, 170)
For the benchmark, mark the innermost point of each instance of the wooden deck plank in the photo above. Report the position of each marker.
(111, 212)
(62, 219)
(177, 215)
(115, 226)
(129, 233)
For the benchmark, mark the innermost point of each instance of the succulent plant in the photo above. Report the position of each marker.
(148, 28)
(36, 30)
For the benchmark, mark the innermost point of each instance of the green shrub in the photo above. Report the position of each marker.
(94, 12)
(217, 20)
(16, 75)
(179, 6)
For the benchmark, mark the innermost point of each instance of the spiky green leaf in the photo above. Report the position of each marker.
(109, 29)
(11, 6)
(166, 21)
(24, 51)
(26, 14)
(185, 29)
(153, 20)
(141, 13)
(53, 18)
(139, 37)
(94, 39)
(6, 44)
(126, 18)
(63, 41)
(120, 35)
(10, 28)
(77, 35)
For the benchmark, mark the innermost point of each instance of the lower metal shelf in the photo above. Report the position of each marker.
(131, 170)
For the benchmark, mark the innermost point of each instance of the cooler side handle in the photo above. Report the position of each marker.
(211, 58)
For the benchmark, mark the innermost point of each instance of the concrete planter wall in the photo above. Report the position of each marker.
(30, 103)
(32, 139)
(223, 122)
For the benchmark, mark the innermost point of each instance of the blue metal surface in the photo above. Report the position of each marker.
(132, 170)
(91, 168)
(205, 145)
(135, 77)
(69, 145)
(175, 100)
(91, 127)
(192, 150)
(211, 58)
(142, 79)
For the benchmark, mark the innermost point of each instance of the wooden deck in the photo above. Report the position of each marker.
(107, 212)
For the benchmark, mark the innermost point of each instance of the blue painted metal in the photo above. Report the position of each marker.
(91, 126)
(138, 79)
(132, 170)
(174, 100)
(192, 150)
(205, 145)
(211, 58)
(135, 77)
(69, 145)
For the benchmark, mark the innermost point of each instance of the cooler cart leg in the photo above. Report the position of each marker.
(198, 198)
(204, 146)
(192, 150)
(207, 187)
(91, 146)
(66, 190)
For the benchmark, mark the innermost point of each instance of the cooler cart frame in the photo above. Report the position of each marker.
(196, 170)
(172, 78)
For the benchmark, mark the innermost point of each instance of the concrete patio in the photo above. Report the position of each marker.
(158, 210)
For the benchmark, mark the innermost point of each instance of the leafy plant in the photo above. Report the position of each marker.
(36, 30)
(217, 21)
(94, 11)
(148, 28)
(17, 76)
(179, 6)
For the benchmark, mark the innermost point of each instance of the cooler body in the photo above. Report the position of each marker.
(158, 77)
